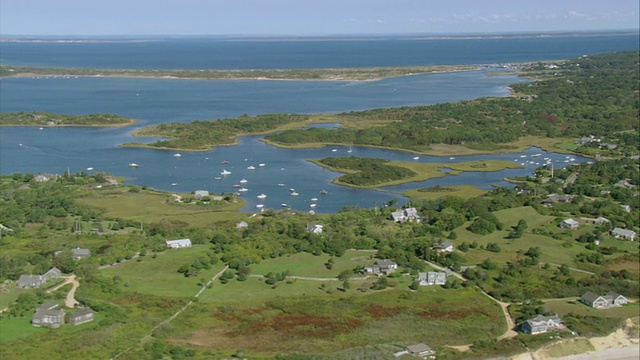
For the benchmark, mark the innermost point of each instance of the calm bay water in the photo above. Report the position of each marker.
(151, 101)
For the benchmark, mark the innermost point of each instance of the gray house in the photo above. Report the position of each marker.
(611, 299)
(444, 246)
(569, 224)
(432, 278)
(34, 281)
(79, 253)
(48, 318)
(541, 324)
(385, 266)
(81, 316)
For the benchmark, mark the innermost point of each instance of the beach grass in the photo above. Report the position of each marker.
(463, 191)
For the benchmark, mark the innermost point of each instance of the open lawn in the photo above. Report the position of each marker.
(9, 293)
(152, 206)
(305, 264)
(18, 327)
(159, 276)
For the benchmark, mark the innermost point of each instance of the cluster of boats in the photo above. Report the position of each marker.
(546, 161)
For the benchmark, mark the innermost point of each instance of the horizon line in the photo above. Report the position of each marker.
(339, 35)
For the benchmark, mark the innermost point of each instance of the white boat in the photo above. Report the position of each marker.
(243, 189)
(174, 184)
(218, 177)
(292, 189)
(225, 172)
(284, 205)
(334, 150)
(260, 206)
(177, 155)
(313, 205)
(281, 184)
(523, 156)
(251, 167)
(243, 181)
(350, 150)
(262, 196)
(314, 199)
(416, 158)
(324, 192)
(262, 165)
(89, 168)
(134, 165)
(452, 158)
(293, 193)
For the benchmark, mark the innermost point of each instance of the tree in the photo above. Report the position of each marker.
(65, 261)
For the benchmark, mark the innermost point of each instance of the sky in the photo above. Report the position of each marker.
(312, 17)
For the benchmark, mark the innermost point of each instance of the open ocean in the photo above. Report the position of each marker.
(152, 101)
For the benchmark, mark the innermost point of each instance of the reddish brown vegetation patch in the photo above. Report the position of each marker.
(312, 325)
(381, 312)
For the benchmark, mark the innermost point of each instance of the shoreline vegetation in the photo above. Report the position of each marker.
(328, 74)
(45, 119)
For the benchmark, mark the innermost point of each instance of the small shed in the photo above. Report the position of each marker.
(420, 350)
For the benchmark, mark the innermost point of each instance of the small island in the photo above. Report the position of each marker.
(373, 173)
(345, 74)
(48, 119)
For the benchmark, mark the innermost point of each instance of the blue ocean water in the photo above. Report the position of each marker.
(152, 101)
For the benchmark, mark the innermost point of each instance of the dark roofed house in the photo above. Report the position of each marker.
(81, 316)
(48, 318)
(444, 246)
(384, 266)
(603, 301)
(30, 281)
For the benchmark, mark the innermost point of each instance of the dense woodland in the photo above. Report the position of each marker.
(587, 96)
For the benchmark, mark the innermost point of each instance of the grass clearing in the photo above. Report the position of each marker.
(306, 264)
(151, 206)
(159, 276)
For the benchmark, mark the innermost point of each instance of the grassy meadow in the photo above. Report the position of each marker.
(159, 276)
(160, 205)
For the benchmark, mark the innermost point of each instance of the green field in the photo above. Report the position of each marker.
(159, 205)
(305, 264)
(159, 276)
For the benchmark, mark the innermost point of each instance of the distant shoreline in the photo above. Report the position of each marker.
(318, 74)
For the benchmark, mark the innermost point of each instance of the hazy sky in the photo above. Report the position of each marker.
(311, 17)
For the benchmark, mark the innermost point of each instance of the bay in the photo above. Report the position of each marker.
(152, 101)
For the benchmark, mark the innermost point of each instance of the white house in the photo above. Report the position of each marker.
(541, 324)
(444, 246)
(404, 215)
(620, 233)
(199, 194)
(569, 224)
(180, 243)
(596, 301)
(316, 229)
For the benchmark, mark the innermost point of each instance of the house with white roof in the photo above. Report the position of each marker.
(620, 233)
(569, 224)
(180, 243)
